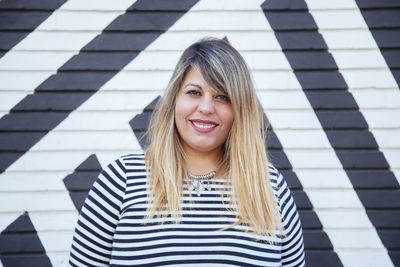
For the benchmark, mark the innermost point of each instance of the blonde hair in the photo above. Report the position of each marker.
(245, 161)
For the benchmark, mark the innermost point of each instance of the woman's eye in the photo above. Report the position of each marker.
(223, 98)
(193, 92)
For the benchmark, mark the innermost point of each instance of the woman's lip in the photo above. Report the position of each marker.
(204, 121)
(202, 130)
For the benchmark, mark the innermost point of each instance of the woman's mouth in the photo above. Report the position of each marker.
(203, 126)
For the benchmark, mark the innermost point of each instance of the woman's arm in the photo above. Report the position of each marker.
(93, 237)
(292, 246)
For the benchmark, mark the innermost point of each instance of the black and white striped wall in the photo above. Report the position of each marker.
(79, 79)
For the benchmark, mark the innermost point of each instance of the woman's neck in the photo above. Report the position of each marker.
(203, 162)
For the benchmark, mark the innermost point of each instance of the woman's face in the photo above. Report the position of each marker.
(202, 116)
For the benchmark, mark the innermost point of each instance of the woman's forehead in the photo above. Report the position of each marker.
(211, 77)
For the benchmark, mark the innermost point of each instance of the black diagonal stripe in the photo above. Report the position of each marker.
(140, 123)
(79, 78)
(81, 180)
(19, 18)
(339, 115)
(318, 247)
(383, 20)
(21, 246)
(315, 239)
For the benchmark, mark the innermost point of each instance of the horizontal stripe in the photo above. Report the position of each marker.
(196, 237)
(196, 245)
(203, 235)
(203, 253)
(217, 262)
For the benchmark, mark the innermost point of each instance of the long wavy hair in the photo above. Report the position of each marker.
(244, 162)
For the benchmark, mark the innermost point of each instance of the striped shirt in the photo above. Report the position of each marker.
(112, 229)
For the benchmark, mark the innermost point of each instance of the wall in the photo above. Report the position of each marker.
(78, 80)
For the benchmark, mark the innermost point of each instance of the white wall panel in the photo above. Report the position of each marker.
(131, 80)
(375, 78)
(100, 126)
(358, 38)
(97, 5)
(382, 118)
(324, 159)
(59, 20)
(63, 221)
(360, 59)
(274, 99)
(35, 201)
(368, 78)
(77, 141)
(381, 98)
(337, 19)
(354, 218)
(372, 257)
(321, 177)
(31, 181)
(347, 241)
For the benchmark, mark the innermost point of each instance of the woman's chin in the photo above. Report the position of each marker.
(204, 147)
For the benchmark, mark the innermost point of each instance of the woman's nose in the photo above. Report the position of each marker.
(206, 105)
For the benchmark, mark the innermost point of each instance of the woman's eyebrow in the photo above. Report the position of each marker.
(192, 84)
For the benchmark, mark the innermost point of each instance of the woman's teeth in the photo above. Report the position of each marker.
(203, 126)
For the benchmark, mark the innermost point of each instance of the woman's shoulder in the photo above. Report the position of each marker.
(133, 157)
(275, 175)
(132, 167)
(128, 161)
(133, 160)
(277, 181)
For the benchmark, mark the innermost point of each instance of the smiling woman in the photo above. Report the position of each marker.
(203, 194)
(203, 116)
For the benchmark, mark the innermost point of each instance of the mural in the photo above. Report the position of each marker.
(79, 80)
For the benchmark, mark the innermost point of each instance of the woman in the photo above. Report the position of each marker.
(203, 193)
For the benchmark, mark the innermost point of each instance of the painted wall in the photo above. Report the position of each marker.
(78, 81)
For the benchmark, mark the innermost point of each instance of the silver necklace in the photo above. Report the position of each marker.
(200, 183)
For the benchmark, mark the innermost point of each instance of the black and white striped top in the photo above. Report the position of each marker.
(111, 229)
